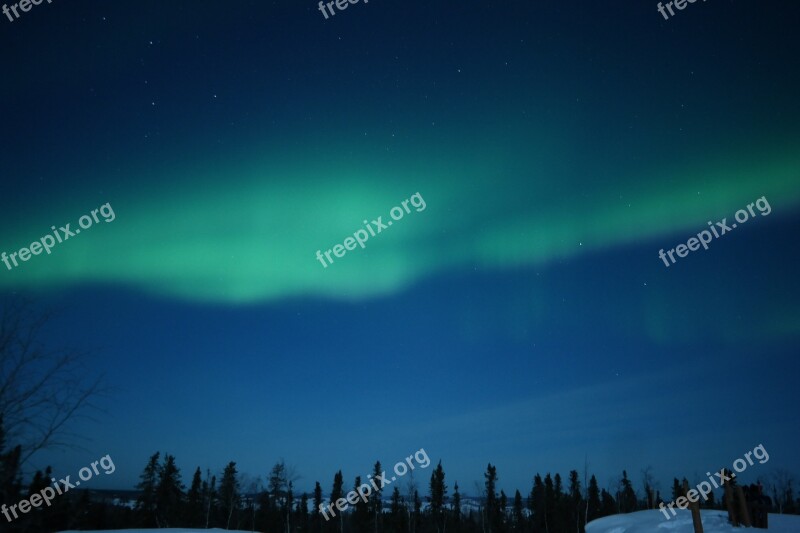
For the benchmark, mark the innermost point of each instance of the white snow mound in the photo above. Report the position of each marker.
(713, 522)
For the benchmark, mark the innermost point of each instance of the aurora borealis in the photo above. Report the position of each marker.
(524, 317)
(265, 231)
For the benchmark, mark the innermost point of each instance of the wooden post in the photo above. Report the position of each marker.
(743, 507)
(759, 511)
(695, 508)
(730, 505)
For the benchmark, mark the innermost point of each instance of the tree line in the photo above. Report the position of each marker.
(233, 501)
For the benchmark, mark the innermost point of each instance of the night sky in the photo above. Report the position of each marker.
(522, 318)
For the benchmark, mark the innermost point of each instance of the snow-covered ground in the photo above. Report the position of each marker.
(639, 522)
(713, 522)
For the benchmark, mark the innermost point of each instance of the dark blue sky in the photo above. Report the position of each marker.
(522, 318)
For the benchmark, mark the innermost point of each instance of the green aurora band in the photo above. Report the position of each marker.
(210, 241)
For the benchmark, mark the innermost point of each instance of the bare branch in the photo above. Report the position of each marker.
(42, 390)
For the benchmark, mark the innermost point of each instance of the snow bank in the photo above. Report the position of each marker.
(713, 522)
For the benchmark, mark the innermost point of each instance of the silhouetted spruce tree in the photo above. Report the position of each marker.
(169, 493)
(264, 513)
(289, 502)
(560, 513)
(337, 493)
(537, 504)
(361, 518)
(376, 501)
(146, 503)
(229, 495)
(82, 518)
(316, 515)
(595, 510)
(278, 483)
(397, 513)
(193, 511)
(550, 503)
(37, 521)
(677, 490)
(456, 508)
(277, 480)
(273, 512)
(518, 513)
(60, 514)
(501, 516)
(438, 494)
(302, 520)
(416, 517)
(575, 503)
(491, 510)
(608, 505)
(627, 503)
